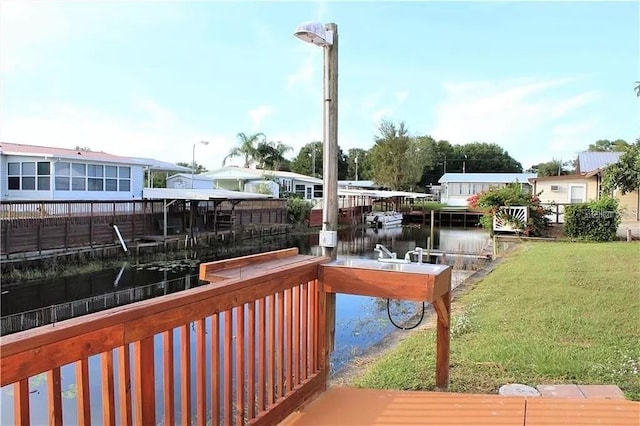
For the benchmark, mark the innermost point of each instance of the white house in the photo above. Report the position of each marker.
(39, 173)
(456, 188)
(245, 179)
(186, 181)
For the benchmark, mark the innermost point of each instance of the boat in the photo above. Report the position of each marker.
(383, 219)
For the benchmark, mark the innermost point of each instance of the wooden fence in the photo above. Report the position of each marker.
(54, 225)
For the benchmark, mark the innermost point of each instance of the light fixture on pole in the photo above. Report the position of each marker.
(355, 160)
(193, 159)
(326, 36)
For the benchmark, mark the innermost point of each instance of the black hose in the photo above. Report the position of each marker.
(405, 328)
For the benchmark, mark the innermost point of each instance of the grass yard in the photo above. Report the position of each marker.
(552, 313)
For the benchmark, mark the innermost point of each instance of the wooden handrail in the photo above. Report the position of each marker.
(223, 315)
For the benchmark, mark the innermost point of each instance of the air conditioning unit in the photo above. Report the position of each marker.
(555, 188)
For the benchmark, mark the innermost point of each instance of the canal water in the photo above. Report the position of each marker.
(360, 321)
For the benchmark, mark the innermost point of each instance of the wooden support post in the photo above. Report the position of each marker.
(442, 306)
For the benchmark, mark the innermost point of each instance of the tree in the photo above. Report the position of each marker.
(247, 149)
(197, 168)
(393, 155)
(550, 168)
(624, 175)
(482, 157)
(309, 160)
(605, 145)
(270, 155)
(637, 88)
(364, 165)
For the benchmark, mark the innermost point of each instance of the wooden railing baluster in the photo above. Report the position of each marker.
(82, 398)
(271, 352)
(185, 375)
(144, 372)
(251, 361)
(240, 382)
(201, 390)
(168, 382)
(280, 345)
(124, 384)
(295, 321)
(108, 394)
(304, 356)
(288, 296)
(215, 369)
(227, 415)
(262, 333)
(21, 402)
(54, 397)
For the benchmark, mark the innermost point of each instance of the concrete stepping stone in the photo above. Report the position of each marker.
(517, 389)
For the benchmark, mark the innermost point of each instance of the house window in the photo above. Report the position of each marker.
(111, 178)
(124, 179)
(95, 177)
(29, 176)
(577, 194)
(300, 190)
(287, 184)
(317, 191)
(309, 193)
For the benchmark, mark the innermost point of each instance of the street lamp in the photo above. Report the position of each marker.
(355, 160)
(326, 36)
(193, 159)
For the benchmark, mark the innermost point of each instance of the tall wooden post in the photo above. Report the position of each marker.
(330, 168)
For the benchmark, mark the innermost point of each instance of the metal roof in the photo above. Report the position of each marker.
(198, 194)
(243, 173)
(358, 184)
(8, 148)
(382, 194)
(486, 177)
(590, 161)
(161, 166)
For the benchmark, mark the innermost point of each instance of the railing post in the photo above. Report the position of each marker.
(145, 382)
(443, 337)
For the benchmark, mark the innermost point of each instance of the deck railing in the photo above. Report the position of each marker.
(245, 350)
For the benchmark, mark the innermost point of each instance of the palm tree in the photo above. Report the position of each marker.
(248, 148)
(270, 155)
(637, 88)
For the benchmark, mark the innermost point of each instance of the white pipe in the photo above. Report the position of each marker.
(124, 246)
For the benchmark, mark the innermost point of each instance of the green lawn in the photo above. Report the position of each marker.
(551, 313)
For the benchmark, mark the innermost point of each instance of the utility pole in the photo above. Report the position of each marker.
(330, 139)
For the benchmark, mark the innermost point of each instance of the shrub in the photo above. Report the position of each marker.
(298, 210)
(593, 221)
(512, 194)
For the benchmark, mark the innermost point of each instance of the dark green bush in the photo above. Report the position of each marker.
(298, 210)
(593, 221)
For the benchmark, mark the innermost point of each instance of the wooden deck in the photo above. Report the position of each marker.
(351, 406)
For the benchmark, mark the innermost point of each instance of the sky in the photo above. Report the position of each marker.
(152, 78)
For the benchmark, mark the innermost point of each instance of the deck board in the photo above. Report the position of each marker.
(350, 406)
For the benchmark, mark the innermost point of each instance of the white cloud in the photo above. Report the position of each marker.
(157, 133)
(528, 118)
(258, 115)
(501, 111)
